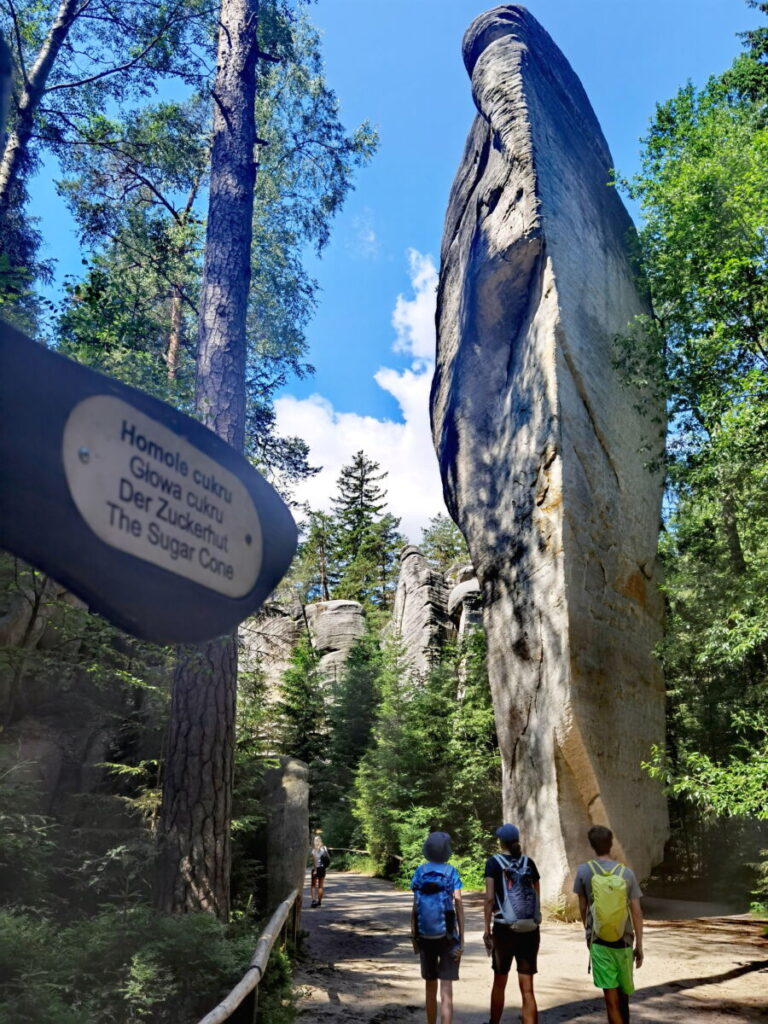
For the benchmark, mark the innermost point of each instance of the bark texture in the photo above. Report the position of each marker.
(197, 786)
(544, 454)
(32, 92)
(194, 862)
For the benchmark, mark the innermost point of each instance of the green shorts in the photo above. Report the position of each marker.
(612, 968)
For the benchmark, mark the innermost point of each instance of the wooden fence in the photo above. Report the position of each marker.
(241, 1005)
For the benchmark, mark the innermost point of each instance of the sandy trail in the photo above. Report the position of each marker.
(701, 965)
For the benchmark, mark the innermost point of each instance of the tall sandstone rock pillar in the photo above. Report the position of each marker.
(544, 455)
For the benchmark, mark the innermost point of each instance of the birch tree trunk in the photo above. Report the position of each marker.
(17, 143)
(194, 827)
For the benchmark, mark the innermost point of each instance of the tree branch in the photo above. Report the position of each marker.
(17, 33)
(121, 67)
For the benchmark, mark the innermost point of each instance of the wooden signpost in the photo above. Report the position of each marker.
(140, 510)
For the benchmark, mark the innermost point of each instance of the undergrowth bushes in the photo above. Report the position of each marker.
(129, 967)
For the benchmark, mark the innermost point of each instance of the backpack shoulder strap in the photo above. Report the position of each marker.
(595, 867)
(501, 860)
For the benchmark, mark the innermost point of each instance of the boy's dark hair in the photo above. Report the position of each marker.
(600, 839)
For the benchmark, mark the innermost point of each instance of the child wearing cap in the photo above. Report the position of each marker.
(439, 956)
(502, 942)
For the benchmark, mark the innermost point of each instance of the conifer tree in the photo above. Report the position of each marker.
(301, 709)
(367, 540)
(443, 544)
(314, 572)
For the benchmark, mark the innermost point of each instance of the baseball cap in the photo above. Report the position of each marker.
(508, 834)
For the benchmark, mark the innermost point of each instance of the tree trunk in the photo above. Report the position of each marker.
(194, 855)
(175, 337)
(195, 815)
(17, 144)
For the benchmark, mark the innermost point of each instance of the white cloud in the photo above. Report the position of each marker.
(365, 242)
(414, 319)
(404, 449)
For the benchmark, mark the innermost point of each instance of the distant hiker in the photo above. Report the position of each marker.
(512, 918)
(321, 859)
(437, 924)
(609, 900)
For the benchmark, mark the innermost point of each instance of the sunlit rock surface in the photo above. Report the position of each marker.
(544, 455)
(420, 611)
(268, 640)
(334, 629)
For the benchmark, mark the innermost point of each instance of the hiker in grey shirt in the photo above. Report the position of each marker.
(611, 958)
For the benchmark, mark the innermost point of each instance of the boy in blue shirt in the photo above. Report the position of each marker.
(437, 924)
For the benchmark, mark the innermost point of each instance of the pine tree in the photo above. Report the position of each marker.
(314, 571)
(443, 544)
(367, 541)
(301, 709)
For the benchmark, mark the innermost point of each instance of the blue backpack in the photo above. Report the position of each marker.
(435, 914)
(518, 909)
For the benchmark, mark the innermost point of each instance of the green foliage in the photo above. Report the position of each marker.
(127, 967)
(434, 761)
(354, 698)
(704, 253)
(737, 787)
(301, 707)
(443, 544)
(366, 537)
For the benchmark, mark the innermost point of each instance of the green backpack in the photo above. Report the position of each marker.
(610, 902)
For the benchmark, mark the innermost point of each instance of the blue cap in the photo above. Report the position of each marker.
(438, 847)
(508, 834)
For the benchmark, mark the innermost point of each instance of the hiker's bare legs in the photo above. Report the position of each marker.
(614, 1007)
(320, 888)
(497, 997)
(431, 1001)
(446, 1002)
(313, 888)
(530, 1010)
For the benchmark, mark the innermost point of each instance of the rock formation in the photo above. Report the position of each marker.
(334, 628)
(420, 610)
(268, 641)
(465, 602)
(544, 454)
(285, 796)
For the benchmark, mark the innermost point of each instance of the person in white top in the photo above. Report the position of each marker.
(320, 861)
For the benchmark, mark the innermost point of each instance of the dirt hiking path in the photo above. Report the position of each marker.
(701, 965)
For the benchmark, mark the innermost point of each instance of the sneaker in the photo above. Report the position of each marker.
(314, 903)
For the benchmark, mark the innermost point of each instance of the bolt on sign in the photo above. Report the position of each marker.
(148, 516)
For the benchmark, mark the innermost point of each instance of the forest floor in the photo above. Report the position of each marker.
(702, 964)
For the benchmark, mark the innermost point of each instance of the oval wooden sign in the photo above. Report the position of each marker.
(140, 510)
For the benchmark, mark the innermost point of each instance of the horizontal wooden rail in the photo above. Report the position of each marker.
(257, 966)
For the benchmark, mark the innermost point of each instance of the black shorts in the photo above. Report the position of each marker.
(520, 946)
(436, 959)
(317, 874)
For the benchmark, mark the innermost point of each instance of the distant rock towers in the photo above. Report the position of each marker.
(544, 454)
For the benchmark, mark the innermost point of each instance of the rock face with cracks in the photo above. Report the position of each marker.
(420, 610)
(545, 456)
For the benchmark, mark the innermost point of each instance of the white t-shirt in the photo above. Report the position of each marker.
(317, 855)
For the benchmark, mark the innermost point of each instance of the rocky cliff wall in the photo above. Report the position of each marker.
(420, 610)
(544, 454)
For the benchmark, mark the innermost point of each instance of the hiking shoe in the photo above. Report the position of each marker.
(314, 903)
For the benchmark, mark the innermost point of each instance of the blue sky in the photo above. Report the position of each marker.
(397, 63)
